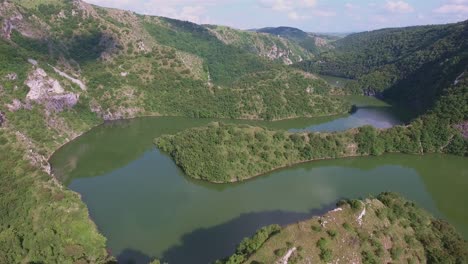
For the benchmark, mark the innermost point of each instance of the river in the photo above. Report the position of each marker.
(146, 207)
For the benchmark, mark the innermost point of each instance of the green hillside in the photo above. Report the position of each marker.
(67, 66)
(385, 229)
(273, 47)
(410, 66)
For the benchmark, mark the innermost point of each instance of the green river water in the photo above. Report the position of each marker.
(148, 208)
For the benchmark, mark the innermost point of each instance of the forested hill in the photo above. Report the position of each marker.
(274, 47)
(412, 66)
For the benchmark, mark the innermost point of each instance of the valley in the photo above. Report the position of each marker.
(213, 218)
(100, 108)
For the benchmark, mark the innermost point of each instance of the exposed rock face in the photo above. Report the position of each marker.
(11, 76)
(60, 102)
(2, 118)
(15, 105)
(41, 85)
(9, 23)
(33, 62)
(120, 113)
(73, 80)
(48, 91)
(141, 46)
(276, 53)
(14, 20)
(321, 42)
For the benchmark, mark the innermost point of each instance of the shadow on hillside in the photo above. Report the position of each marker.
(88, 47)
(207, 245)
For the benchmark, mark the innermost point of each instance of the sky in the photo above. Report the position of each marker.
(308, 15)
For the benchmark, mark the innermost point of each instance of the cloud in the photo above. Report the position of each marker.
(323, 13)
(399, 7)
(295, 8)
(287, 5)
(350, 6)
(293, 15)
(454, 7)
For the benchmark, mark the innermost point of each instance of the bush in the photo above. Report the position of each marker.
(332, 233)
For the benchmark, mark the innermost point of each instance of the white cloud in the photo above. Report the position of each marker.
(350, 6)
(456, 7)
(293, 15)
(323, 13)
(295, 8)
(310, 3)
(287, 5)
(399, 7)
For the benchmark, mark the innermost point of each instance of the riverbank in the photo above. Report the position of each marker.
(227, 153)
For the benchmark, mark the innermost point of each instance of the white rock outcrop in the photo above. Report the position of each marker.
(73, 80)
(277, 53)
(15, 105)
(9, 24)
(48, 91)
(12, 76)
(285, 258)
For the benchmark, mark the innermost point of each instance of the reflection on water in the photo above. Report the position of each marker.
(379, 117)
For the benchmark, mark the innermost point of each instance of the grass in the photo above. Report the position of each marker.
(375, 241)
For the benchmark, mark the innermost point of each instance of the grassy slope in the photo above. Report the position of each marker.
(392, 230)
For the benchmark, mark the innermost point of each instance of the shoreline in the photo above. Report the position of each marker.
(181, 116)
(299, 163)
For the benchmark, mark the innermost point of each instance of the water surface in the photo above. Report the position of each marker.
(147, 208)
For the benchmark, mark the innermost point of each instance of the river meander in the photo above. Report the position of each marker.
(146, 207)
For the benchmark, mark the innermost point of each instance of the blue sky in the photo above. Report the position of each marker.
(309, 15)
